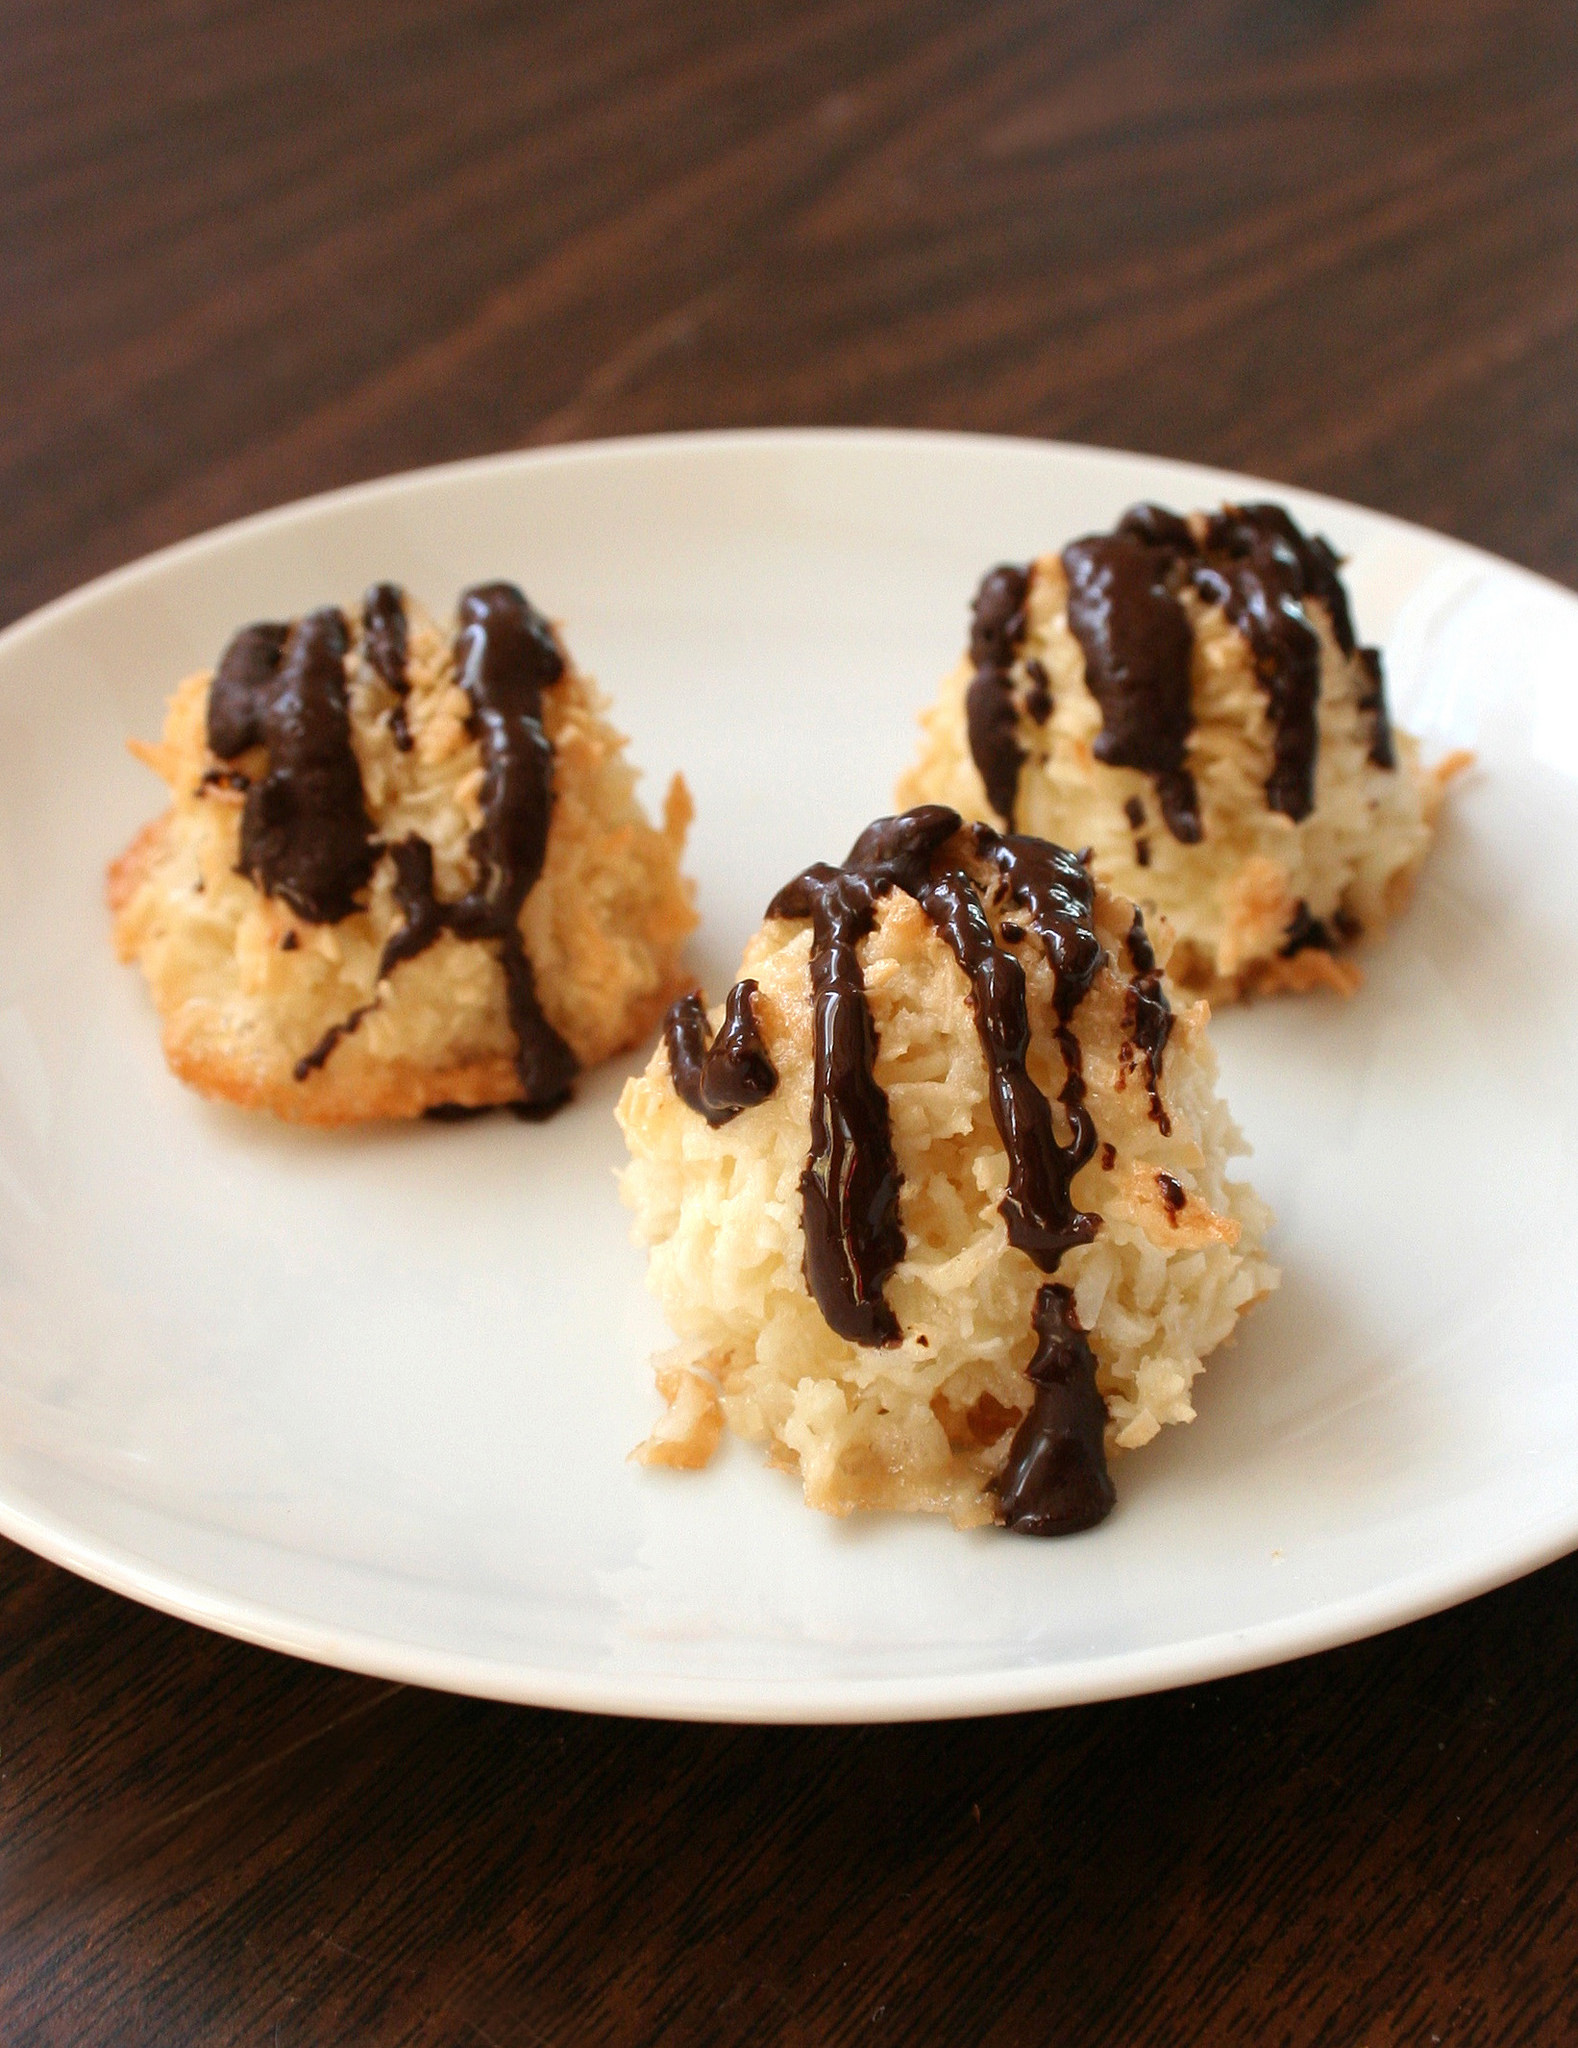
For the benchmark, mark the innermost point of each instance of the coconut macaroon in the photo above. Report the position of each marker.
(402, 870)
(1187, 698)
(937, 1200)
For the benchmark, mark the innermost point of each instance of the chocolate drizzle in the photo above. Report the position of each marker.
(1373, 704)
(241, 688)
(1306, 934)
(1260, 568)
(507, 656)
(1038, 698)
(1054, 890)
(385, 642)
(1147, 1026)
(1147, 1022)
(997, 625)
(1037, 1208)
(1137, 643)
(422, 916)
(735, 1072)
(1054, 1481)
(310, 1062)
(1125, 609)
(305, 833)
(849, 1189)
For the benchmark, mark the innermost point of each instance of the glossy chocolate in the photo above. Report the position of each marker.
(1147, 1026)
(1038, 698)
(1037, 1207)
(1372, 702)
(1123, 609)
(849, 1189)
(738, 1071)
(1306, 934)
(241, 687)
(1054, 1481)
(305, 833)
(731, 1074)
(506, 656)
(997, 626)
(385, 642)
(1052, 891)
(310, 1062)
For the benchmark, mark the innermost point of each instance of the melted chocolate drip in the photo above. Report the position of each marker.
(849, 1190)
(1147, 1025)
(422, 916)
(241, 687)
(1244, 531)
(1155, 527)
(1134, 811)
(1124, 609)
(997, 627)
(1373, 703)
(850, 1187)
(1306, 934)
(739, 1071)
(305, 833)
(1147, 1021)
(310, 1062)
(1054, 1481)
(1260, 577)
(507, 656)
(1038, 698)
(735, 1072)
(1173, 1197)
(1137, 642)
(685, 1042)
(385, 642)
(1054, 891)
(1037, 1208)
(1056, 1476)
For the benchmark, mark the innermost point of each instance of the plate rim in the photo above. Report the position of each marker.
(826, 1703)
(551, 454)
(1330, 1624)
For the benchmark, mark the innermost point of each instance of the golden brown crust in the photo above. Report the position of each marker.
(1302, 972)
(1235, 894)
(926, 1424)
(247, 990)
(687, 1433)
(128, 871)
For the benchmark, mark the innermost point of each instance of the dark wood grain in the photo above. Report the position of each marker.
(251, 252)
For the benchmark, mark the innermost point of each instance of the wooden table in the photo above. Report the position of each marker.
(250, 252)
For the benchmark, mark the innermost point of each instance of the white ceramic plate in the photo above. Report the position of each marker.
(367, 1398)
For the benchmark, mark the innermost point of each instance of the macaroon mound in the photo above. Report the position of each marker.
(1187, 698)
(937, 1199)
(402, 870)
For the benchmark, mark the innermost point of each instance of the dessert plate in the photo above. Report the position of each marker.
(368, 1397)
